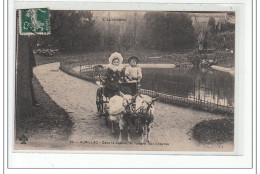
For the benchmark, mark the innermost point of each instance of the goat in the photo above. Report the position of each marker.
(118, 110)
(145, 114)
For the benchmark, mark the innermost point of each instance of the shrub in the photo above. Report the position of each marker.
(221, 130)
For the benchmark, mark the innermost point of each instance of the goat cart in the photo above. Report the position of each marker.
(102, 95)
(139, 115)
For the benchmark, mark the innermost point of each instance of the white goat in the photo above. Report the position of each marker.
(117, 107)
(145, 110)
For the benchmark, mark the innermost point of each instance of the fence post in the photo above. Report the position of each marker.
(217, 97)
(194, 91)
(211, 96)
(93, 72)
(199, 90)
(175, 88)
(80, 70)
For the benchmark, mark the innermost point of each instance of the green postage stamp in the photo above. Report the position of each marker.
(34, 21)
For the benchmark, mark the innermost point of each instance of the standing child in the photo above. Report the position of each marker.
(113, 75)
(133, 72)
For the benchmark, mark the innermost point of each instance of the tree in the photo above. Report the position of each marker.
(168, 31)
(212, 25)
(71, 31)
(223, 37)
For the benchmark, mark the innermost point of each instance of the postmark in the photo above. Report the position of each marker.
(34, 21)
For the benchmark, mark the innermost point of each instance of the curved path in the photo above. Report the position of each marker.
(171, 126)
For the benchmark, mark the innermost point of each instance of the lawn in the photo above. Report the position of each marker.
(224, 58)
(48, 120)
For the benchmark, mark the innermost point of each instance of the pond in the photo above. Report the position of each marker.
(204, 84)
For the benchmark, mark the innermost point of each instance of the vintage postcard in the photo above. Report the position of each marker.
(125, 80)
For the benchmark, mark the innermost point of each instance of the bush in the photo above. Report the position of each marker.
(222, 41)
(195, 58)
(221, 130)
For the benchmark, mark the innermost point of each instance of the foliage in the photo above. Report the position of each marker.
(212, 25)
(168, 31)
(223, 40)
(71, 31)
(227, 27)
(46, 52)
(223, 58)
(220, 36)
(221, 130)
(81, 31)
(195, 58)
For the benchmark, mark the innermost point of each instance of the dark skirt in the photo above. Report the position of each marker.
(129, 88)
(111, 89)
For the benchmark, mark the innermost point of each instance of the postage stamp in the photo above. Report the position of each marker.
(35, 21)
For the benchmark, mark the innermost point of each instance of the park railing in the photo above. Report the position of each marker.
(197, 95)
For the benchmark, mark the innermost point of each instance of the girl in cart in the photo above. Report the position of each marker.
(113, 75)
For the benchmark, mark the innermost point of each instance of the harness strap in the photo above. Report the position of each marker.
(141, 107)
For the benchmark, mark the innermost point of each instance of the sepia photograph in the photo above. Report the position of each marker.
(125, 80)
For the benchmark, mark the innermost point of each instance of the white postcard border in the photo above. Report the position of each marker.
(242, 108)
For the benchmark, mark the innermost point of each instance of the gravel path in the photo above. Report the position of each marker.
(171, 128)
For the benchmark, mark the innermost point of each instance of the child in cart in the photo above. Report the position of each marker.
(113, 75)
(133, 73)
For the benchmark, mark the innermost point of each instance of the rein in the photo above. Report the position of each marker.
(149, 106)
(128, 109)
(141, 107)
(127, 105)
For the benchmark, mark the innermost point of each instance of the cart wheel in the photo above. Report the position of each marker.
(107, 119)
(99, 102)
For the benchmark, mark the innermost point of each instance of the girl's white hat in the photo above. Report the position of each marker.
(115, 55)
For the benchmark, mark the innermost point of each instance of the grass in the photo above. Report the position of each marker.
(224, 58)
(48, 120)
(146, 56)
(41, 60)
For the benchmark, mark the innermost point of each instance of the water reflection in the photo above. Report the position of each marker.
(204, 84)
